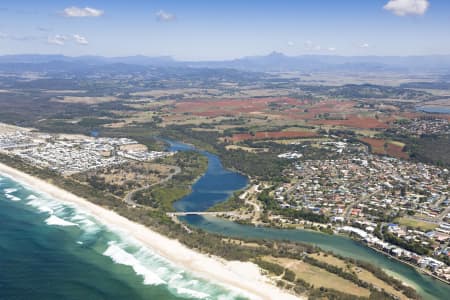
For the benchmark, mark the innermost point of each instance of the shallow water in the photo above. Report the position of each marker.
(52, 250)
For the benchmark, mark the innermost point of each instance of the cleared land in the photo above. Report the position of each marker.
(426, 226)
(319, 277)
(361, 273)
(386, 147)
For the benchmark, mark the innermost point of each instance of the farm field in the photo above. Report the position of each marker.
(386, 147)
(272, 135)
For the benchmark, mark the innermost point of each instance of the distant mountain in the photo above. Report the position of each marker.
(273, 62)
(94, 60)
(310, 63)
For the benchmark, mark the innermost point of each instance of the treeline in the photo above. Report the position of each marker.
(300, 286)
(431, 149)
(380, 274)
(265, 166)
(409, 292)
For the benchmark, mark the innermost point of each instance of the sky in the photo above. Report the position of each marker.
(226, 29)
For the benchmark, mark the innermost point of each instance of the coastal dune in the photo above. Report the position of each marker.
(242, 276)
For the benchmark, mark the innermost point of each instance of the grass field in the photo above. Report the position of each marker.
(362, 273)
(319, 277)
(426, 226)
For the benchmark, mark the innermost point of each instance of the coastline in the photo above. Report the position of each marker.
(241, 276)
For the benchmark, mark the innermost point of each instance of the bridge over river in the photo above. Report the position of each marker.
(202, 213)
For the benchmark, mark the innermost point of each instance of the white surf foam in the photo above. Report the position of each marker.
(191, 293)
(42, 206)
(12, 197)
(47, 205)
(120, 256)
(54, 220)
(176, 277)
(10, 190)
(89, 227)
(125, 250)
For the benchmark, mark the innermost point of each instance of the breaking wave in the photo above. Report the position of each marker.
(54, 220)
(121, 248)
(120, 256)
(12, 197)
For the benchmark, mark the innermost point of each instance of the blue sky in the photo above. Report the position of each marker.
(212, 29)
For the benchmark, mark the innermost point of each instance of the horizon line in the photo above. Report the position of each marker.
(175, 59)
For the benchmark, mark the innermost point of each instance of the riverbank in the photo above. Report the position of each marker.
(244, 277)
(426, 272)
(337, 233)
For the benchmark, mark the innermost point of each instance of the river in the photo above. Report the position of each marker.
(217, 184)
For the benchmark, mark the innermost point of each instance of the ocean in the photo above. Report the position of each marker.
(53, 250)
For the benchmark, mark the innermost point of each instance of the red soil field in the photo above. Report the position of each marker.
(229, 106)
(290, 108)
(396, 151)
(377, 146)
(354, 122)
(272, 135)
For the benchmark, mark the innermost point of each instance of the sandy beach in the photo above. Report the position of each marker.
(242, 276)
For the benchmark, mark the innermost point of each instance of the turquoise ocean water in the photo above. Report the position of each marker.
(51, 250)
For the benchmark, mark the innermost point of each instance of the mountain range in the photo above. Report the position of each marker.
(273, 62)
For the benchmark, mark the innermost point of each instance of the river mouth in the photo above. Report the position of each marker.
(219, 188)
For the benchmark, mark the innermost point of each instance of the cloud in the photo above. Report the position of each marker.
(79, 39)
(82, 12)
(165, 16)
(407, 7)
(290, 43)
(364, 45)
(331, 49)
(59, 40)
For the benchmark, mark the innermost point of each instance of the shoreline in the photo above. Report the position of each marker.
(243, 277)
(388, 255)
(417, 268)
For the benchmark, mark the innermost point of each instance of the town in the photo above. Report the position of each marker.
(70, 154)
(424, 125)
(396, 206)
